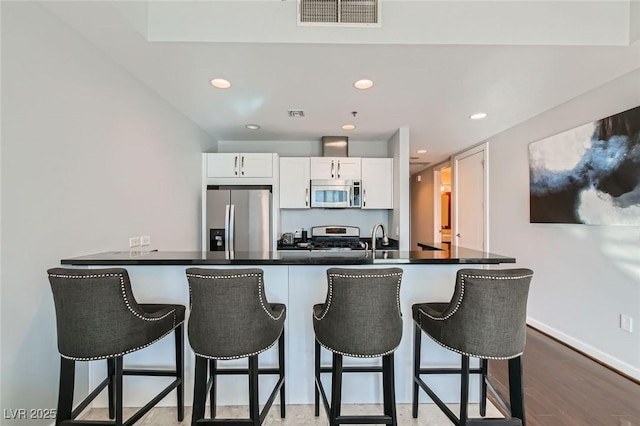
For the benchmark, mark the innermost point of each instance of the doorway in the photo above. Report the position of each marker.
(442, 205)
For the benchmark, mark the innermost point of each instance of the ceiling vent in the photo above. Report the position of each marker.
(347, 13)
(296, 113)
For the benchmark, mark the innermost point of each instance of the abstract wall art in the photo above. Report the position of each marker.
(589, 175)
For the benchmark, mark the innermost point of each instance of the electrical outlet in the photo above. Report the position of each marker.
(145, 240)
(626, 323)
(134, 242)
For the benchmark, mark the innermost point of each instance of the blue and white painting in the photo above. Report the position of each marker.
(590, 174)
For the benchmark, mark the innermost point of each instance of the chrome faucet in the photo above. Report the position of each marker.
(374, 232)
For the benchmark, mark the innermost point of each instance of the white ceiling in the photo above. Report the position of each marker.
(429, 87)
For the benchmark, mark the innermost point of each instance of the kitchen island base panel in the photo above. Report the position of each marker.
(299, 288)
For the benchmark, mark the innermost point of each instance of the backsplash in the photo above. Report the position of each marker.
(290, 220)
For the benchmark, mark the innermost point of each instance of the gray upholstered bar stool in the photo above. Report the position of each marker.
(231, 319)
(98, 318)
(360, 318)
(485, 319)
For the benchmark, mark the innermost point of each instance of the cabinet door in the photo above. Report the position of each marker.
(377, 183)
(223, 165)
(229, 165)
(335, 168)
(323, 168)
(256, 165)
(348, 168)
(294, 183)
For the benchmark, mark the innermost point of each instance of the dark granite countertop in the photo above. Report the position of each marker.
(455, 255)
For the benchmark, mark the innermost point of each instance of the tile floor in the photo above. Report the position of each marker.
(297, 415)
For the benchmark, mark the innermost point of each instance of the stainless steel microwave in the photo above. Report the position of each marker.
(337, 194)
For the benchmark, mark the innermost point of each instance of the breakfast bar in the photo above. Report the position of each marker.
(297, 279)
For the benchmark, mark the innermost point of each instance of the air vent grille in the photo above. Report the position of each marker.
(296, 113)
(339, 12)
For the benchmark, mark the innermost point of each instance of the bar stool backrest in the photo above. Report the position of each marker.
(96, 314)
(361, 316)
(230, 315)
(486, 317)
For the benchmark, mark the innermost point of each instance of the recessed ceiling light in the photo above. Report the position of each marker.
(220, 83)
(348, 127)
(252, 126)
(478, 116)
(421, 151)
(363, 84)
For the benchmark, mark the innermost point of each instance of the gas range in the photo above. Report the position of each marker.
(336, 238)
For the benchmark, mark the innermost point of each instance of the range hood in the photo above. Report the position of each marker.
(335, 146)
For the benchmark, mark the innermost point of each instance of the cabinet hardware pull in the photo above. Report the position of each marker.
(338, 169)
(235, 166)
(332, 175)
(306, 197)
(243, 165)
(364, 198)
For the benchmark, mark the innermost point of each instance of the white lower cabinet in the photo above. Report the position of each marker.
(294, 183)
(377, 183)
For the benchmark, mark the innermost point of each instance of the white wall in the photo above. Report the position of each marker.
(422, 207)
(304, 148)
(90, 157)
(403, 22)
(399, 217)
(634, 21)
(585, 276)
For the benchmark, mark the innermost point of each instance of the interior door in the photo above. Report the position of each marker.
(470, 195)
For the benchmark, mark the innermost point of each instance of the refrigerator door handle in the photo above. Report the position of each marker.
(232, 228)
(227, 240)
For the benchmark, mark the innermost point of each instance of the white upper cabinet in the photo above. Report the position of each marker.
(335, 168)
(294, 182)
(239, 165)
(377, 183)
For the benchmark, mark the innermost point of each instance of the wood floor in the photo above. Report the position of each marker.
(565, 388)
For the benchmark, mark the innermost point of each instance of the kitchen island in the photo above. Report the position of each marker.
(298, 279)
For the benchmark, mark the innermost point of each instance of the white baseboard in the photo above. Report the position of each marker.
(603, 357)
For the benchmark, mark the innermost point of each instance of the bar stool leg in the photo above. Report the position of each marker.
(110, 390)
(388, 385)
(464, 391)
(179, 336)
(417, 341)
(484, 368)
(65, 390)
(254, 407)
(213, 375)
(119, 366)
(317, 370)
(516, 389)
(281, 371)
(336, 388)
(199, 390)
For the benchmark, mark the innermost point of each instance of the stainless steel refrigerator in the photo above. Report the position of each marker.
(238, 218)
